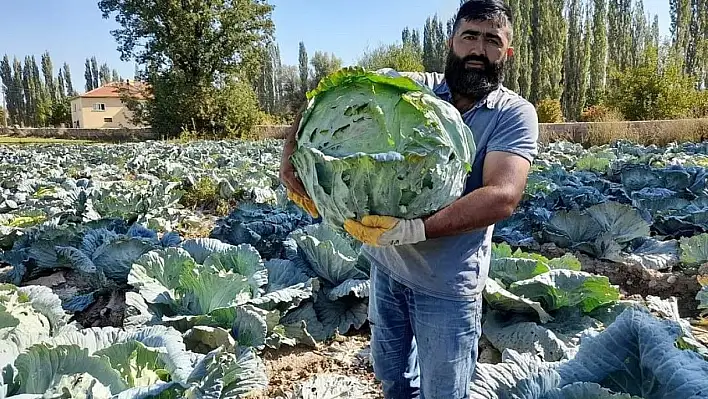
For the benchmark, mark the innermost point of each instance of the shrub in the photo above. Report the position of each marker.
(700, 109)
(549, 111)
(652, 91)
(601, 113)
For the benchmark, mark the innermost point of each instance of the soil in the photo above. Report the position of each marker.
(107, 311)
(289, 367)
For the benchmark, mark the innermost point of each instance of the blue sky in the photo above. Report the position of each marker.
(72, 30)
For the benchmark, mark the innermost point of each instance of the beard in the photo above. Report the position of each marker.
(472, 83)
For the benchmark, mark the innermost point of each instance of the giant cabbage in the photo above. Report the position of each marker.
(370, 143)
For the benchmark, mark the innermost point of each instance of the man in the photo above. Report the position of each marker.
(428, 274)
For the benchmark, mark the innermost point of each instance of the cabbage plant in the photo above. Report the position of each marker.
(637, 356)
(370, 143)
(205, 282)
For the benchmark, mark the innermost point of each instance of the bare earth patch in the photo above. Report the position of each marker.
(289, 368)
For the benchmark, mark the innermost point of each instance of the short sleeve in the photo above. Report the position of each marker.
(517, 131)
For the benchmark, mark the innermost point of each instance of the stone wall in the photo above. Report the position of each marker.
(645, 132)
(586, 133)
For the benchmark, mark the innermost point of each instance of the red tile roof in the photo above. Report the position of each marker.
(113, 90)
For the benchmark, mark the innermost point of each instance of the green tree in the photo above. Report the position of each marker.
(619, 34)
(304, 69)
(6, 88)
(95, 73)
(48, 72)
(3, 117)
(88, 75)
(61, 85)
(14, 96)
(267, 82)
(323, 64)
(31, 94)
(681, 16)
(523, 53)
(67, 79)
(17, 92)
(60, 113)
(415, 40)
(115, 77)
(598, 54)
(652, 90)
(196, 58)
(515, 64)
(402, 58)
(291, 99)
(640, 31)
(548, 40)
(406, 37)
(104, 74)
(576, 62)
(434, 45)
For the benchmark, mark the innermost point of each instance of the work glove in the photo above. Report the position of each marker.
(382, 231)
(304, 203)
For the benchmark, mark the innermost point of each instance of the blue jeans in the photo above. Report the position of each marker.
(422, 346)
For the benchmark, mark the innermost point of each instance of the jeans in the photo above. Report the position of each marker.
(422, 346)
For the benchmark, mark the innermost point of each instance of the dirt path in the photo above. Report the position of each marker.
(294, 369)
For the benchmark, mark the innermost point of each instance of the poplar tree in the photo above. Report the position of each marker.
(415, 39)
(576, 61)
(523, 53)
(7, 83)
(88, 75)
(304, 70)
(104, 74)
(61, 85)
(95, 73)
(598, 54)
(17, 92)
(67, 79)
(434, 45)
(514, 65)
(548, 40)
(31, 94)
(48, 72)
(681, 16)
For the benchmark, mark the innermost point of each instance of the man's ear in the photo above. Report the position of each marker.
(510, 52)
(449, 42)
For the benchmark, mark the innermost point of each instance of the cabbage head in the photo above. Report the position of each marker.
(378, 144)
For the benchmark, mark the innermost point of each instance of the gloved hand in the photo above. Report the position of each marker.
(383, 231)
(304, 203)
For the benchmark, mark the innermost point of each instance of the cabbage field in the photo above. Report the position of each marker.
(171, 270)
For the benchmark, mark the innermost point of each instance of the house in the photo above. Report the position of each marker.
(104, 108)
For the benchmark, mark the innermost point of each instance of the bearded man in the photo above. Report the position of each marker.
(428, 274)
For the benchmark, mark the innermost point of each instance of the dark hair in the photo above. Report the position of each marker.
(485, 10)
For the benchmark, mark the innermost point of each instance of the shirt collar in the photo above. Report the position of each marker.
(490, 100)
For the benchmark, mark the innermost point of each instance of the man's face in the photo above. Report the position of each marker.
(475, 62)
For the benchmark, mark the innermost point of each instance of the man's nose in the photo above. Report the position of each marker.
(477, 47)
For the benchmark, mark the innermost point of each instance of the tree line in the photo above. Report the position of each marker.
(37, 96)
(216, 69)
(583, 58)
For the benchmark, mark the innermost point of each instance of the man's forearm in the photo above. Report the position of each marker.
(477, 210)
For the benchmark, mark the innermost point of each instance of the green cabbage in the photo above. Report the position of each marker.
(378, 144)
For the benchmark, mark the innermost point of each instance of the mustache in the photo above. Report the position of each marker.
(478, 58)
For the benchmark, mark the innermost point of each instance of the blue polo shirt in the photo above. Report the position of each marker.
(456, 267)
